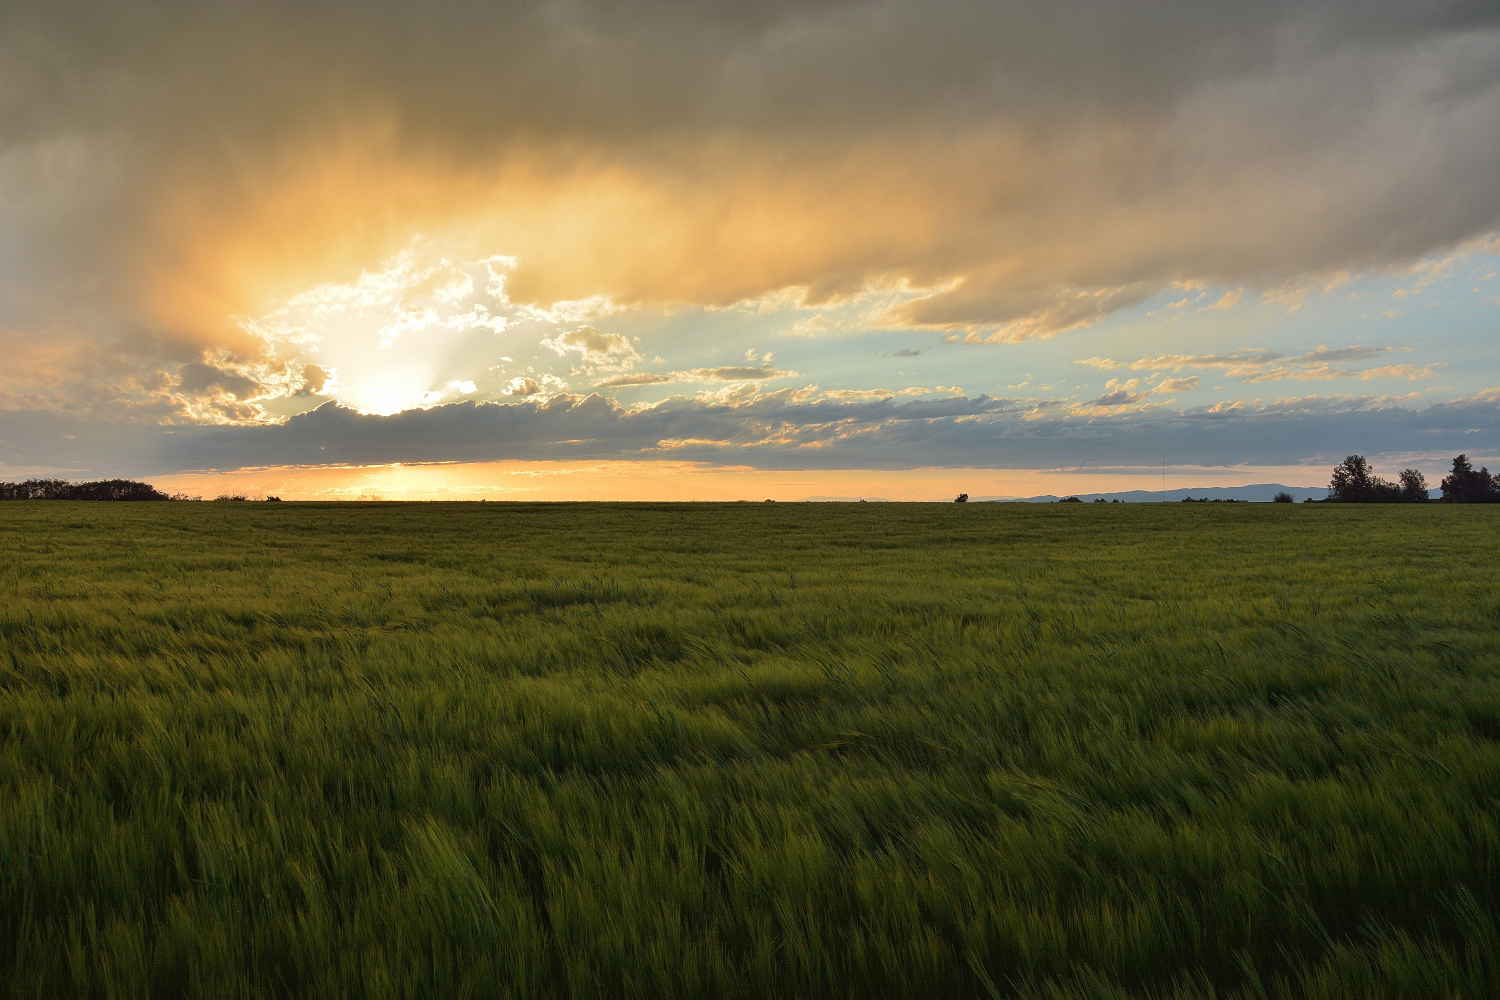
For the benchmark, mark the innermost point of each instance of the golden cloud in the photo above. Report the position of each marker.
(168, 173)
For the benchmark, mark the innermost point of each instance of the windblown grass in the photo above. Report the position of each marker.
(749, 751)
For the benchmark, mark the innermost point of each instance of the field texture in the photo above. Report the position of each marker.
(753, 750)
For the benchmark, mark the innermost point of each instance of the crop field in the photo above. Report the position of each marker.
(749, 750)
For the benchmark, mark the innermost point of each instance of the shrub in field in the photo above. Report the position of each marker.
(1282, 497)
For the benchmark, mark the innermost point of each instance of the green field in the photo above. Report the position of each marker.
(749, 750)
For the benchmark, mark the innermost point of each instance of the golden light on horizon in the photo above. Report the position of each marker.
(276, 210)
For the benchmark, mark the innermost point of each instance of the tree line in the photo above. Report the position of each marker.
(61, 489)
(103, 489)
(1354, 482)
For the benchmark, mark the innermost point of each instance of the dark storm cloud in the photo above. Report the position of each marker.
(783, 430)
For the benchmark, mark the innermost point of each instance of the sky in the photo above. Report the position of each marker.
(647, 249)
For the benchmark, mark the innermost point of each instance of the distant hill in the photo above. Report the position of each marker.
(1260, 492)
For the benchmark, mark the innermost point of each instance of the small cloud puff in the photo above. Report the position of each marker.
(522, 387)
(1120, 397)
(604, 350)
(318, 380)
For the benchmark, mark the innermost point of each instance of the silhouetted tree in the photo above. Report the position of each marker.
(1351, 479)
(1413, 486)
(1282, 498)
(61, 489)
(1353, 482)
(1070, 500)
(961, 498)
(1465, 484)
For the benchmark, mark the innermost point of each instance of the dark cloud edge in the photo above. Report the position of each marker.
(779, 430)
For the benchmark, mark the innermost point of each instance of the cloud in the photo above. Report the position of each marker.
(1120, 397)
(1252, 366)
(1020, 176)
(521, 387)
(1103, 364)
(606, 350)
(634, 378)
(723, 373)
(1409, 372)
(914, 390)
(317, 380)
(992, 312)
(740, 373)
(1133, 391)
(1229, 299)
(787, 429)
(907, 352)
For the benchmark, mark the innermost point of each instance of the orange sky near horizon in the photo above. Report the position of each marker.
(557, 250)
(684, 481)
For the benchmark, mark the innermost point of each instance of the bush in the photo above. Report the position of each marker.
(961, 498)
(1070, 500)
(1282, 497)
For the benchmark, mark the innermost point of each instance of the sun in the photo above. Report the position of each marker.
(385, 398)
